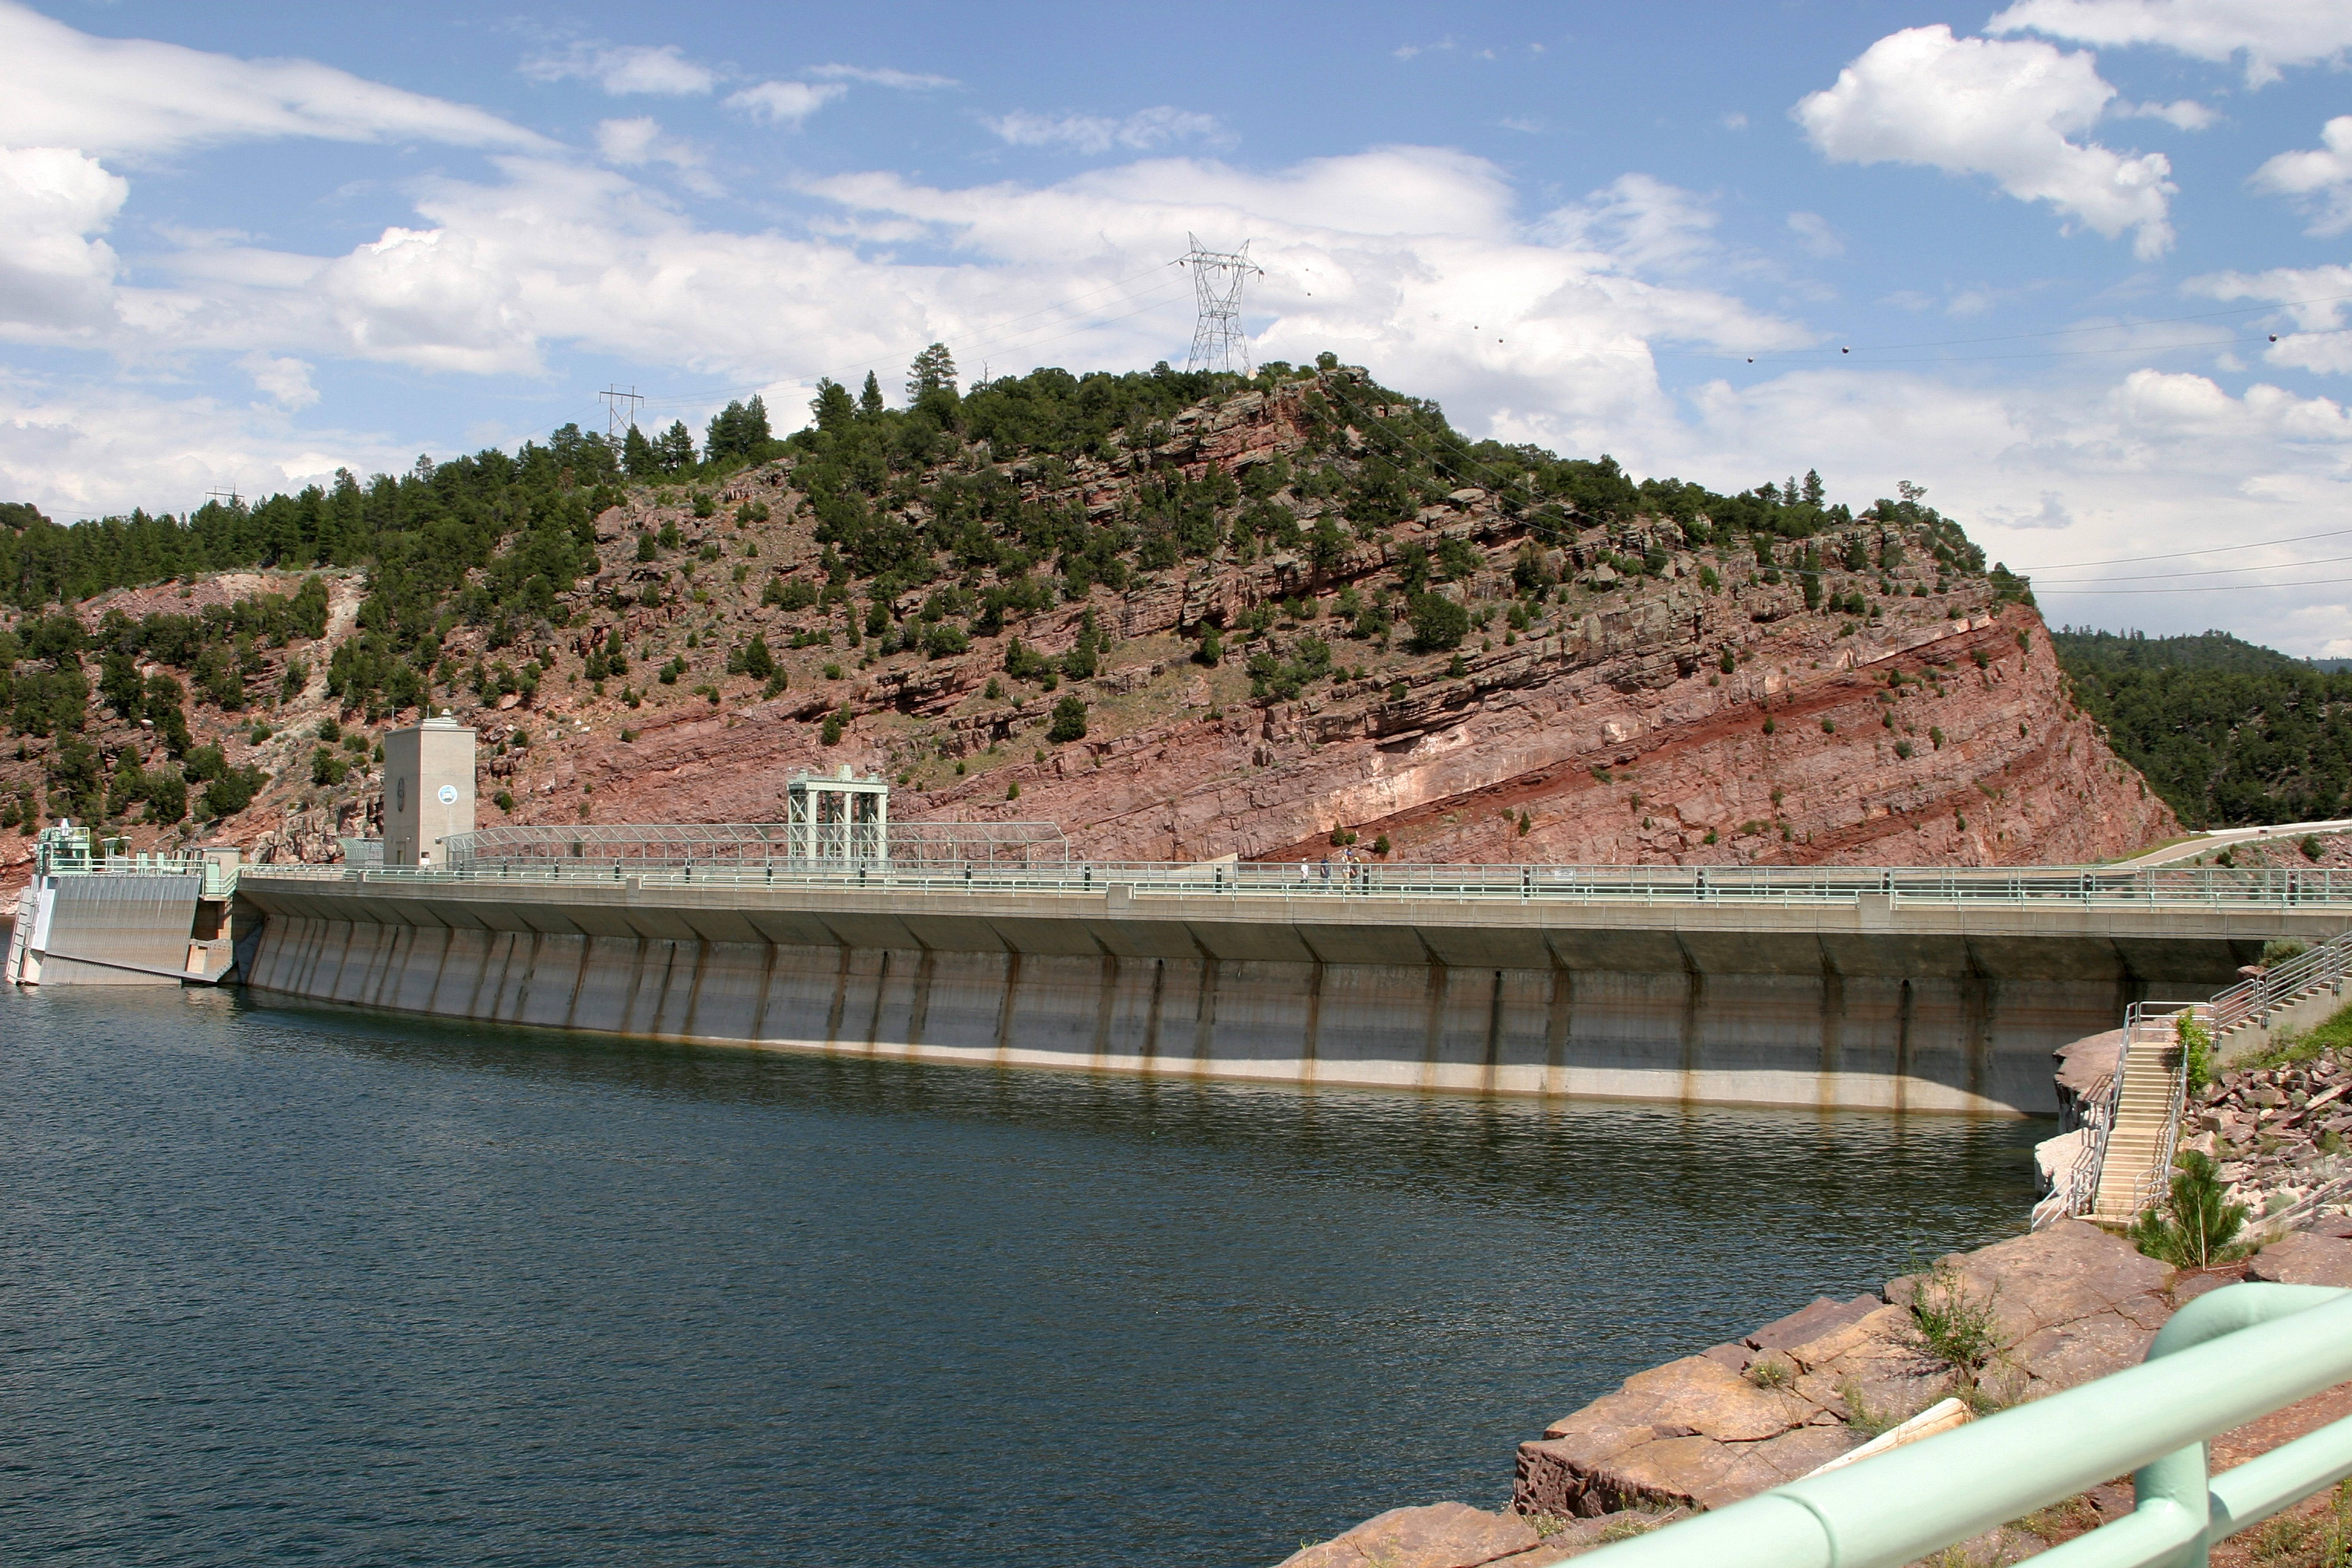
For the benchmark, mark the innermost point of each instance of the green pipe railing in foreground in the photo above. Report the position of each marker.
(2223, 1360)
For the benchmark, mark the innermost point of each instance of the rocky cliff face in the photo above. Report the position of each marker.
(1634, 691)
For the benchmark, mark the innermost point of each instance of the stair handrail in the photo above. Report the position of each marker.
(2156, 1179)
(2073, 1192)
(2330, 960)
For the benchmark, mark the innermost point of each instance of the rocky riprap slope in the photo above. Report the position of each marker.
(1634, 681)
(2281, 1136)
(2063, 1306)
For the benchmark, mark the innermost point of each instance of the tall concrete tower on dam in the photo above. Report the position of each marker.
(428, 791)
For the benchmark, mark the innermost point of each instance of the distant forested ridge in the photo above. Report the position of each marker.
(2229, 732)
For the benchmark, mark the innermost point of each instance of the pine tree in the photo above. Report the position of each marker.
(832, 405)
(757, 662)
(677, 448)
(1813, 490)
(737, 430)
(869, 401)
(637, 454)
(934, 369)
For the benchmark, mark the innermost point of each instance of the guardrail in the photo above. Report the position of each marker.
(2252, 1000)
(2207, 886)
(2225, 1359)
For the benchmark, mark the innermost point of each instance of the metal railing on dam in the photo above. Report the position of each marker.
(2317, 891)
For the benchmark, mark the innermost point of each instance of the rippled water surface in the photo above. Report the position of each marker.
(316, 1286)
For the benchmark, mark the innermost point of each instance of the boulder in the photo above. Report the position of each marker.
(1439, 1535)
(2305, 1259)
(2068, 1271)
(1692, 1432)
(1811, 1323)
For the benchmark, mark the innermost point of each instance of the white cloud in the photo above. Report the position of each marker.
(1815, 233)
(2313, 298)
(2182, 113)
(2322, 175)
(906, 81)
(433, 298)
(131, 96)
(625, 69)
(54, 276)
(2051, 515)
(89, 451)
(284, 381)
(1141, 132)
(638, 141)
(1645, 223)
(2008, 110)
(2066, 470)
(784, 102)
(2269, 33)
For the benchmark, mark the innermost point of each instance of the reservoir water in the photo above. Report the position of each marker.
(316, 1286)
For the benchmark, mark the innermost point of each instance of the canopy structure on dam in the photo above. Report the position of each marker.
(757, 847)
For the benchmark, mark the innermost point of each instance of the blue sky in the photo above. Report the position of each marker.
(2073, 264)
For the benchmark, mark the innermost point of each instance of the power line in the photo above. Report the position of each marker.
(2209, 588)
(2051, 333)
(2180, 554)
(2217, 572)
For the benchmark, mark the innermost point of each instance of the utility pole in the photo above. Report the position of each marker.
(1218, 340)
(228, 497)
(616, 421)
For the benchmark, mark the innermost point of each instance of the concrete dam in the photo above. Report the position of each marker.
(1799, 989)
(837, 931)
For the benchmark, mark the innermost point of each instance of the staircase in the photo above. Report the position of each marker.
(2249, 1004)
(2151, 1081)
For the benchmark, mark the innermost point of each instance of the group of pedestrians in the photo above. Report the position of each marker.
(1352, 870)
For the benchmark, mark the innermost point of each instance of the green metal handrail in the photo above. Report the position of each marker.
(1849, 886)
(2223, 1360)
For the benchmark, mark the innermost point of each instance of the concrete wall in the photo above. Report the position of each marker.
(2299, 1017)
(1881, 1008)
(113, 930)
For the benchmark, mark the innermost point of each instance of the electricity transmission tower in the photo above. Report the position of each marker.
(616, 421)
(1218, 341)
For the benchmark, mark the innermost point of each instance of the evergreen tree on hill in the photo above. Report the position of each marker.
(676, 447)
(738, 432)
(638, 456)
(934, 369)
(833, 407)
(869, 400)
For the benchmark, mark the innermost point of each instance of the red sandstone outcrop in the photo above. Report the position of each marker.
(1933, 729)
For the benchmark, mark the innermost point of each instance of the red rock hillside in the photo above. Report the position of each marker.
(1627, 690)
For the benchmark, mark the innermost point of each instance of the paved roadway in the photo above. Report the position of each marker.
(2222, 837)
